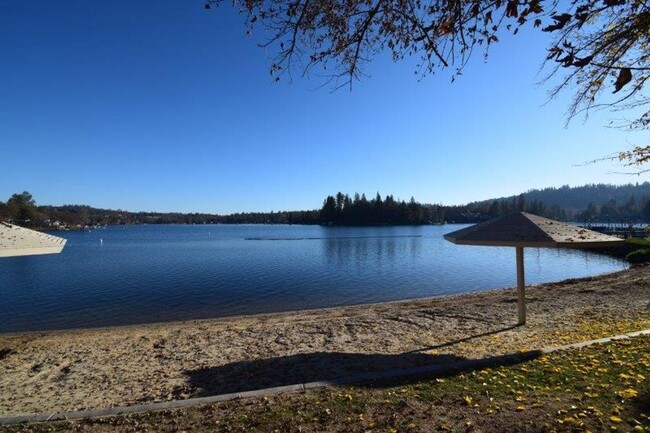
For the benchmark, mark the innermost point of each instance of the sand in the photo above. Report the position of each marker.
(92, 368)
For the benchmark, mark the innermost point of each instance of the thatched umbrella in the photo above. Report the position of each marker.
(19, 241)
(521, 229)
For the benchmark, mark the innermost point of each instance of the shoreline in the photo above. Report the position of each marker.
(304, 311)
(66, 370)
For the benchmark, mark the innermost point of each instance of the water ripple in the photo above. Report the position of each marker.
(159, 273)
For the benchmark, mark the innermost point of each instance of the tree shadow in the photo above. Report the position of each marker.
(370, 370)
(433, 314)
(302, 368)
(641, 404)
(464, 339)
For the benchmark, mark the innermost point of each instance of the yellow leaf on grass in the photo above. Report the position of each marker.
(468, 400)
(567, 420)
(628, 393)
(615, 419)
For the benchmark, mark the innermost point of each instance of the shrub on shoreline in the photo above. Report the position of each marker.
(639, 256)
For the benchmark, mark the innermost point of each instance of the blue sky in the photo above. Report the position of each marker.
(161, 105)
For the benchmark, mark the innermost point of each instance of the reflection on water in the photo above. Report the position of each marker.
(160, 273)
(364, 251)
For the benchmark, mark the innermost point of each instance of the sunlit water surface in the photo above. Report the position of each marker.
(141, 274)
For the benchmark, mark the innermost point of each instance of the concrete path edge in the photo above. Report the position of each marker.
(347, 380)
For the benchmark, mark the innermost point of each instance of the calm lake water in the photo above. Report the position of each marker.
(141, 274)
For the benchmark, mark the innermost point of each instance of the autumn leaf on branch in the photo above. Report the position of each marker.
(624, 77)
(594, 39)
(560, 22)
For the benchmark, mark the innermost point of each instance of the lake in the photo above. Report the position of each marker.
(141, 274)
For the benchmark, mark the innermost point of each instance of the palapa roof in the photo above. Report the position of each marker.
(521, 229)
(19, 241)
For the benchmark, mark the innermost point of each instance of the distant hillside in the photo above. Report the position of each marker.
(598, 203)
(593, 203)
(576, 199)
(22, 209)
(86, 215)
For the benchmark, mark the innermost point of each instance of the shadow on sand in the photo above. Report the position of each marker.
(464, 339)
(328, 366)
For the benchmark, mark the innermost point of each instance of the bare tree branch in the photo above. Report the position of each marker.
(601, 46)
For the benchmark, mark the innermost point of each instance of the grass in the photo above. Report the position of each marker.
(638, 255)
(599, 388)
(639, 242)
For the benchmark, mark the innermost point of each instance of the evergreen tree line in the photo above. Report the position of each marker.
(22, 209)
(285, 217)
(483, 211)
(599, 203)
(612, 212)
(576, 199)
(632, 211)
(341, 210)
(624, 204)
(359, 211)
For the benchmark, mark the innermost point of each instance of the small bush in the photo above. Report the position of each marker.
(639, 256)
(638, 241)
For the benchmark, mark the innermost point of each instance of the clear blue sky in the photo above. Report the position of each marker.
(161, 105)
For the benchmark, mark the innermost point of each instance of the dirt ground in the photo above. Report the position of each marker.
(84, 369)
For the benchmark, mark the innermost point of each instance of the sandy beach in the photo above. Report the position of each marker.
(84, 369)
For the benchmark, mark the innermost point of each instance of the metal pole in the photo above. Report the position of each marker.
(521, 286)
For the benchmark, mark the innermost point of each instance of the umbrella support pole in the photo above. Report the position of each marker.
(521, 286)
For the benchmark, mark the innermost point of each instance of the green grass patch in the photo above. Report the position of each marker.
(638, 241)
(641, 255)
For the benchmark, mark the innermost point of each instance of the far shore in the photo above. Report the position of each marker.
(104, 367)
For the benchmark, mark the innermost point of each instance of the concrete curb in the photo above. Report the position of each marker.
(358, 378)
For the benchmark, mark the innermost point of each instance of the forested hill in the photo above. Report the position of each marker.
(576, 199)
(342, 209)
(590, 203)
(595, 202)
(22, 209)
